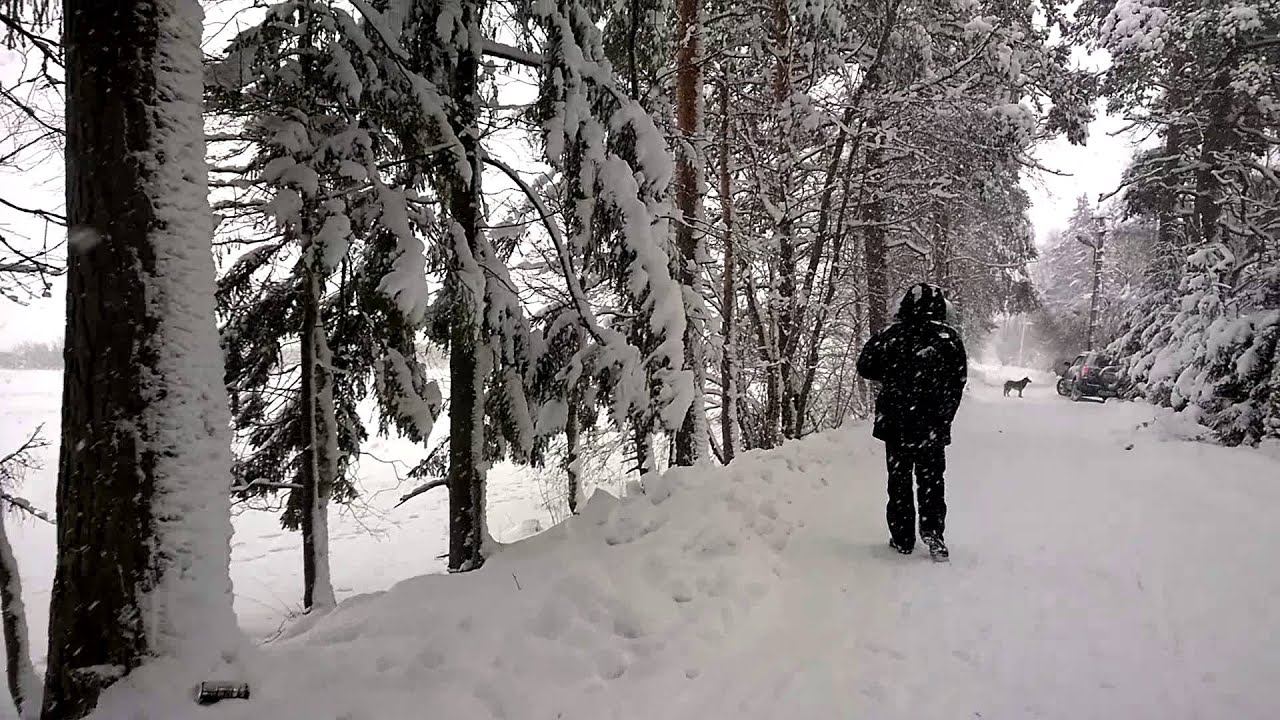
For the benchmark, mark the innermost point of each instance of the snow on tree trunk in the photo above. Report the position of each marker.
(572, 457)
(24, 683)
(782, 408)
(728, 369)
(143, 510)
(320, 444)
(692, 437)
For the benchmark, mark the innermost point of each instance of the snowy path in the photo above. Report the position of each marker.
(1088, 580)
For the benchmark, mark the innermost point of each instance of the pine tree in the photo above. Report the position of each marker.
(617, 168)
(1212, 193)
(311, 160)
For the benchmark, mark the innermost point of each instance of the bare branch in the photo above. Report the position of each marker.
(438, 482)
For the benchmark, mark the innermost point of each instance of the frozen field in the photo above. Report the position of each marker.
(374, 545)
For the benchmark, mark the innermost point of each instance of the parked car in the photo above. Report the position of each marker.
(1091, 374)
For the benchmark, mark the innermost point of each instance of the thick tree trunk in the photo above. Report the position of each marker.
(468, 365)
(692, 436)
(24, 683)
(728, 358)
(144, 467)
(1216, 138)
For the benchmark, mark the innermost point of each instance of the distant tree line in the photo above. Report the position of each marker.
(31, 355)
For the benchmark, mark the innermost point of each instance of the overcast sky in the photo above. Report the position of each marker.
(1091, 170)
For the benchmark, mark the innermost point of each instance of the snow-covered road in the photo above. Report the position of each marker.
(1087, 581)
(1099, 570)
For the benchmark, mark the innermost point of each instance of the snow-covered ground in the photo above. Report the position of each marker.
(1103, 566)
(374, 545)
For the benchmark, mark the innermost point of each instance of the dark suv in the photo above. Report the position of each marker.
(1091, 374)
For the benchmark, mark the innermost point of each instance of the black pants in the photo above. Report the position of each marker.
(927, 464)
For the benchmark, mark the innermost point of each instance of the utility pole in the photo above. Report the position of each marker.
(1096, 244)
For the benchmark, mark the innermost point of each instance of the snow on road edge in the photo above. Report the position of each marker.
(605, 600)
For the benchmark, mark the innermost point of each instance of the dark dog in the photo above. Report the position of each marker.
(1018, 385)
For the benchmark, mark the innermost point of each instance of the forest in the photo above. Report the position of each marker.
(597, 238)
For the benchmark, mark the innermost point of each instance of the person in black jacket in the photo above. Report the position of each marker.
(921, 364)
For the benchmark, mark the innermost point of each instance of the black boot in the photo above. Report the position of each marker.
(904, 549)
(937, 548)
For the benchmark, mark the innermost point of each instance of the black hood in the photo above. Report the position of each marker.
(923, 302)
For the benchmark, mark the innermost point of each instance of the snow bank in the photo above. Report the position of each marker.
(571, 623)
(1170, 425)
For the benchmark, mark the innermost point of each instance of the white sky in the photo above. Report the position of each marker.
(1091, 170)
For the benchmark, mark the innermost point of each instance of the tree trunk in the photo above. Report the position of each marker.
(1217, 136)
(646, 464)
(24, 684)
(942, 251)
(319, 429)
(692, 436)
(728, 370)
(784, 228)
(319, 425)
(144, 467)
(572, 438)
(468, 364)
(873, 246)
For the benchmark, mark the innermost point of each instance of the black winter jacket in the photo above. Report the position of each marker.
(922, 366)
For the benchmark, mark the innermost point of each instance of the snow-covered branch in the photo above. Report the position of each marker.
(496, 49)
(438, 482)
(13, 502)
(562, 250)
